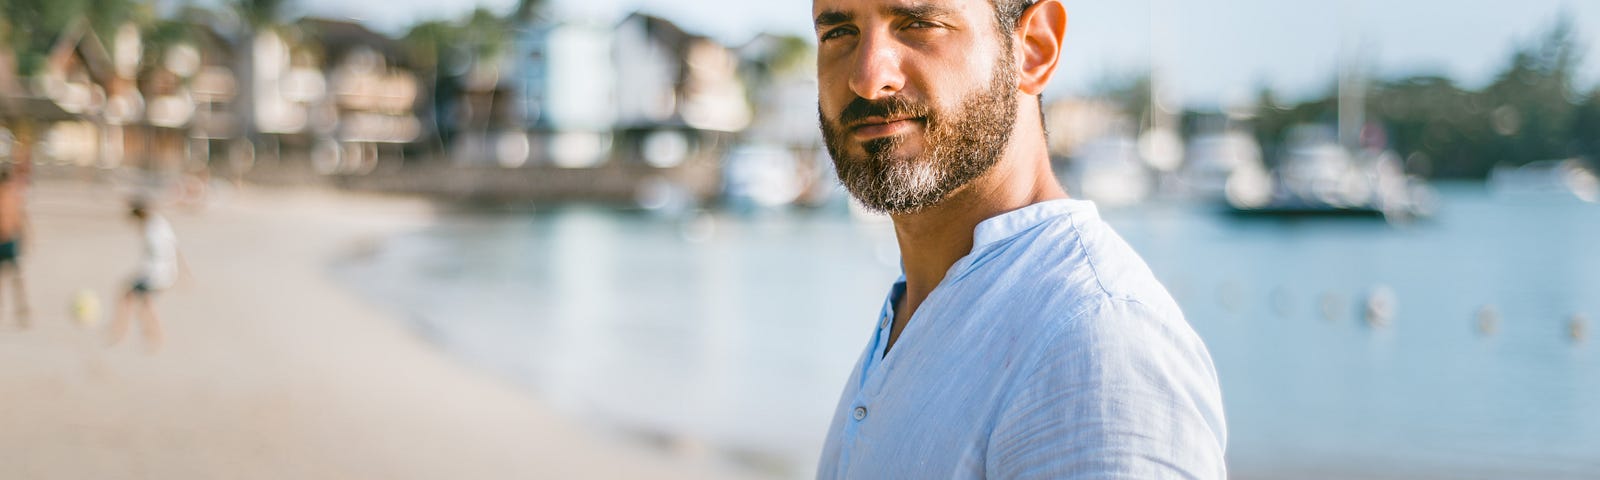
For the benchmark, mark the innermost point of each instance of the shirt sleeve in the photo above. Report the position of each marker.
(1124, 390)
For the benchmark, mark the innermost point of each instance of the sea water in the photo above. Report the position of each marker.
(733, 334)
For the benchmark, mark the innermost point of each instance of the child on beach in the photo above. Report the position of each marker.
(159, 267)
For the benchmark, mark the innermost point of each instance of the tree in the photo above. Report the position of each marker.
(1130, 92)
(528, 11)
(1532, 111)
(258, 14)
(255, 16)
(1533, 99)
(1586, 127)
(30, 27)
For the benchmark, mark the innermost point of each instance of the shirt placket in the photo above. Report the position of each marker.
(859, 406)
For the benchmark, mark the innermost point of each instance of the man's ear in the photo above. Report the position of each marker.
(1038, 38)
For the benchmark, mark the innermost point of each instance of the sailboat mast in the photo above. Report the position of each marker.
(1352, 81)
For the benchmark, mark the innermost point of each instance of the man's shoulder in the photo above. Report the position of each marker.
(1071, 264)
(1078, 282)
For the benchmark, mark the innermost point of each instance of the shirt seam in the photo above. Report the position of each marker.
(1102, 300)
(1077, 237)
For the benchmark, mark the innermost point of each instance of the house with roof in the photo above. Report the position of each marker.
(679, 96)
(370, 95)
(566, 95)
(58, 113)
(327, 97)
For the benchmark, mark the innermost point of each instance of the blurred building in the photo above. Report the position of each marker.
(482, 111)
(216, 133)
(679, 96)
(77, 79)
(331, 97)
(639, 111)
(1074, 122)
(782, 159)
(157, 107)
(369, 109)
(567, 96)
(640, 105)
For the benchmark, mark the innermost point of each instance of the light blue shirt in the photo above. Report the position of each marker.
(1049, 351)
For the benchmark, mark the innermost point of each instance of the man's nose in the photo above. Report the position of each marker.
(877, 71)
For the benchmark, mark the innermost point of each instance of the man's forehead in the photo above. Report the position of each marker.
(859, 7)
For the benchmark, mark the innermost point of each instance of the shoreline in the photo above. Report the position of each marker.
(352, 269)
(270, 369)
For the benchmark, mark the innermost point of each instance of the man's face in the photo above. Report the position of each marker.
(916, 97)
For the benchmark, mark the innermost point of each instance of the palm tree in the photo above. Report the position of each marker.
(528, 10)
(255, 16)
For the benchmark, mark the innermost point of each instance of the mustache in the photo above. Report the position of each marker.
(889, 107)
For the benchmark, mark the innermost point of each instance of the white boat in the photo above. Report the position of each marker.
(1560, 178)
(1212, 159)
(1109, 171)
(1319, 177)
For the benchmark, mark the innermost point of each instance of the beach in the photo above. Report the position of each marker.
(269, 369)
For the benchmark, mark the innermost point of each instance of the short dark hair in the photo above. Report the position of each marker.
(1006, 15)
(138, 208)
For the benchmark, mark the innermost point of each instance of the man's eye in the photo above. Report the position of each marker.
(835, 33)
(921, 24)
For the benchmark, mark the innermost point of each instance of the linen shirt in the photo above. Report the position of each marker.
(1049, 351)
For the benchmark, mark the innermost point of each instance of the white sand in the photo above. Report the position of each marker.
(269, 370)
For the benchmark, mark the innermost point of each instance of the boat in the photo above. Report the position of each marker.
(1211, 160)
(1109, 171)
(1319, 177)
(1559, 178)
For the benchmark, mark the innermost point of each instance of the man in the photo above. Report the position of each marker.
(13, 232)
(1025, 338)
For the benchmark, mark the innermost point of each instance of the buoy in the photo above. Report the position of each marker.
(1230, 295)
(1331, 306)
(86, 308)
(1282, 302)
(1488, 320)
(1578, 327)
(1380, 306)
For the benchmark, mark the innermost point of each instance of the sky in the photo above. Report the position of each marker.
(1208, 52)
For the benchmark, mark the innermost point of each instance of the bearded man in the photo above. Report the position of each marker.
(1025, 339)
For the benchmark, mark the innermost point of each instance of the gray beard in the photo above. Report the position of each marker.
(961, 146)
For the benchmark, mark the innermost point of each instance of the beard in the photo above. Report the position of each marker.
(959, 145)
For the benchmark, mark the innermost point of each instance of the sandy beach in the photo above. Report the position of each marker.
(269, 370)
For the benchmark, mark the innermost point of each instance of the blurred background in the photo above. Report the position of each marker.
(601, 239)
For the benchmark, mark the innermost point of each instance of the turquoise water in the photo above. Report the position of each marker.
(733, 333)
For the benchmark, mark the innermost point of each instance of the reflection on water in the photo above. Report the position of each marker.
(735, 334)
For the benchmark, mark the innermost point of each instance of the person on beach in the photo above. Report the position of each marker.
(1025, 338)
(13, 233)
(159, 266)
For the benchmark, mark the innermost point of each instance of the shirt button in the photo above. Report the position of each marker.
(885, 322)
(860, 413)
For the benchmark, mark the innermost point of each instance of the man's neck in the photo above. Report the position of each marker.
(933, 239)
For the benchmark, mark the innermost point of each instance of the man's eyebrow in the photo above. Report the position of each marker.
(921, 10)
(832, 17)
(916, 10)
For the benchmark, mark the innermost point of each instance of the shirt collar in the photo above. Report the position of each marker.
(1000, 227)
(1006, 225)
